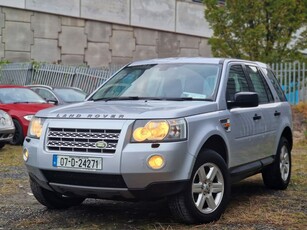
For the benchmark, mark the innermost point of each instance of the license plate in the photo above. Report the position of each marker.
(90, 163)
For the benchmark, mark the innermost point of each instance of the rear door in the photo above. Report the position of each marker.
(270, 112)
(278, 109)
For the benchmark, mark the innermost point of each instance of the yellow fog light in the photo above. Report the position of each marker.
(25, 154)
(156, 162)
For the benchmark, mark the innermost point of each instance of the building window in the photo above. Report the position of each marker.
(219, 2)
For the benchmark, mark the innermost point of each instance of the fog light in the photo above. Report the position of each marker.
(156, 162)
(25, 155)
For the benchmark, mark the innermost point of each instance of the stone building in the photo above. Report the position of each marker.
(98, 33)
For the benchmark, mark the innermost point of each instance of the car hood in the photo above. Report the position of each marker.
(25, 108)
(129, 109)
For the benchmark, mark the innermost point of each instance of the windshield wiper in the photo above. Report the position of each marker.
(117, 98)
(21, 102)
(151, 98)
(28, 102)
(185, 99)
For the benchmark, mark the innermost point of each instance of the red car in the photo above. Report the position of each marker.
(21, 103)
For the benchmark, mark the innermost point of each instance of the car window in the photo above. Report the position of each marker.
(160, 81)
(46, 94)
(19, 95)
(70, 95)
(237, 82)
(275, 84)
(260, 86)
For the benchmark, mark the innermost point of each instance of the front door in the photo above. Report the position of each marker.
(248, 127)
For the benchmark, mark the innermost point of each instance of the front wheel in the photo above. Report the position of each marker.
(208, 191)
(277, 175)
(52, 199)
(2, 144)
(18, 135)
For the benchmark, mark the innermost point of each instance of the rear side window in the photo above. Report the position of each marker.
(260, 85)
(275, 84)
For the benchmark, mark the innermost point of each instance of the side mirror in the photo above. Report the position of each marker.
(244, 99)
(54, 102)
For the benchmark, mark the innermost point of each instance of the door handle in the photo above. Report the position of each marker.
(256, 117)
(277, 113)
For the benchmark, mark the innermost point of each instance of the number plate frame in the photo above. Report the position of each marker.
(77, 162)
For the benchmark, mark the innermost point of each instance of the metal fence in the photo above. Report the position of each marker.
(293, 79)
(87, 79)
(292, 76)
(16, 73)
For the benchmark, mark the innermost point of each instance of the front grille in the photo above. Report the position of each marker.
(85, 179)
(5, 136)
(82, 140)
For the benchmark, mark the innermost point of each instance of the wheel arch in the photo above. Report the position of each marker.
(287, 133)
(24, 129)
(217, 144)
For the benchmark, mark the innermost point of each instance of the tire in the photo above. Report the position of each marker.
(208, 191)
(53, 200)
(277, 175)
(18, 135)
(2, 144)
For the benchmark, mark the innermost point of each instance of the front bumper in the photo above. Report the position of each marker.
(153, 191)
(6, 135)
(125, 174)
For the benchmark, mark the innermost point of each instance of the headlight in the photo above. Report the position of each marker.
(35, 127)
(28, 117)
(7, 121)
(159, 130)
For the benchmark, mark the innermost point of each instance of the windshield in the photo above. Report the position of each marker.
(19, 95)
(162, 81)
(70, 95)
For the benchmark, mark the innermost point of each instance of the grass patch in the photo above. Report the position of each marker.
(10, 156)
(10, 168)
(10, 186)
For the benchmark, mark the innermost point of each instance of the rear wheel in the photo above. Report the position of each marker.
(277, 175)
(18, 135)
(52, 199)
(208, 191)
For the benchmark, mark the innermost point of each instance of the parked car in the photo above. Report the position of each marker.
(59, 95)
(183, 129)
(7, 128)
(21, 103)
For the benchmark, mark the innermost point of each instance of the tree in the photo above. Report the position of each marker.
(262, 30)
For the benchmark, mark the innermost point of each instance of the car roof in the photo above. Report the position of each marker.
(178, 60)
(55, 87)
(44, 86)
(12, 86)
(200, 60)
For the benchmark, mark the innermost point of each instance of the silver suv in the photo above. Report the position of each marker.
(182, 129)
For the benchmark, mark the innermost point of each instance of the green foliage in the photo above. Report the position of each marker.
(262, 30)
(36, 65)
(3, 62)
